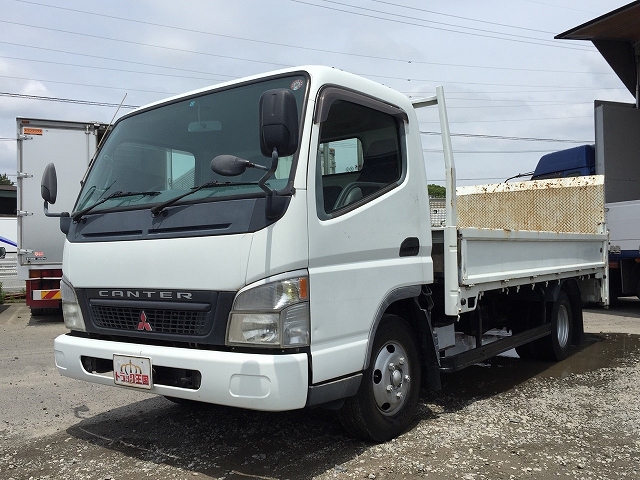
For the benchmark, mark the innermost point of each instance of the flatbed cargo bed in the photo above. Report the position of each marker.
(541, 231)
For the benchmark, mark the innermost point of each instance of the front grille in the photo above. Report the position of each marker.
(176, 322)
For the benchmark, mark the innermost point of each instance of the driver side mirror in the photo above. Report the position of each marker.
(278, 122)
(49, 184)
(49, 193)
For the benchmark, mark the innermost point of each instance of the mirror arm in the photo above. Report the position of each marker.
(274, 165)
(55, 215)
(276, 204)
(65, 218)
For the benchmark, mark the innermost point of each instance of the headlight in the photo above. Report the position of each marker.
(73, 319)
(275, 314)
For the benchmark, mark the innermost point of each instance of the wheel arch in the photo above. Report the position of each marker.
(395, 298)
(404, 302)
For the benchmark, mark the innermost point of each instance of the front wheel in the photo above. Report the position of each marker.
(387, 400)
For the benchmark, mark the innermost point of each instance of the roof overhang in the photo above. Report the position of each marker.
(616, 35)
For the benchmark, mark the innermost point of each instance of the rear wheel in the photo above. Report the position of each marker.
(557, 345)
(387, 400)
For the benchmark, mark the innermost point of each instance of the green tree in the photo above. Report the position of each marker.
(436, 191)
(4, 180)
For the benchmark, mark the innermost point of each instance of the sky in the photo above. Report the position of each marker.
(503, 73)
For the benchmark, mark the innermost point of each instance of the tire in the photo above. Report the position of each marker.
(556, 347)
(387, 400)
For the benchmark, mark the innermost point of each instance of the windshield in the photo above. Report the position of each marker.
(163, 152)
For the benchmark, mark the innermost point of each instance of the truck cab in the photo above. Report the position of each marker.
(572, 162)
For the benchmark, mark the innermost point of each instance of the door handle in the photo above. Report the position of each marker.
(410, 247)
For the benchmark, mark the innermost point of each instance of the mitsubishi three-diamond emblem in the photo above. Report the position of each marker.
(143, 324)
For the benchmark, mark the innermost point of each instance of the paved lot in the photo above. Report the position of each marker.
(506, 419)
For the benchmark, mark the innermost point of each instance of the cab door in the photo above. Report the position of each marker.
(366, 234)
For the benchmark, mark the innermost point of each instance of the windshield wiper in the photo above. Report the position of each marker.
(78, 215)
(158, 209)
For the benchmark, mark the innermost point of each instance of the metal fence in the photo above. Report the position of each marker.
(9, 274)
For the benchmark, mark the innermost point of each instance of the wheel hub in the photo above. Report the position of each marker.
(563, 321)
(391, 380)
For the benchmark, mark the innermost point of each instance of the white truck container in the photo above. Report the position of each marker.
(71, 146)
(617, 130)
(267, 244)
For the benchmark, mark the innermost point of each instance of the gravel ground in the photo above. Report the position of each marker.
(506, 419)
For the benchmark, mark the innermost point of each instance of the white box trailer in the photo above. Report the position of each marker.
(617, 157)
(71, 146)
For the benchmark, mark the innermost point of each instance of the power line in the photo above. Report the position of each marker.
(441, 23)
(454, 82)
(462, 18)
(234, 58)
(106, 104)
(436, 150)
(520, 101)
(320, 50)
(500, 137)
(518, 106)
(519, 40)
(112, 59)
(88, 85)
(230, 76)
(466, 179)
(555, 90)
(434, 122)
(104, 68)
(131, 42)
(546, 119)
(562, 6)
(64, 100)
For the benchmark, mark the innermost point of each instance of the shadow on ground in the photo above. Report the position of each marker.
(222, 441)
(45, 319)
(239, 444)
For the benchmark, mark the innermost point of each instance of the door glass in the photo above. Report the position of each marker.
(359, 154)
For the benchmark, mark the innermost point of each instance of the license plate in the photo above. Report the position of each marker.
(132, 371)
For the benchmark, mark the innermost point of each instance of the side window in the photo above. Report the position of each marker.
(358, 155)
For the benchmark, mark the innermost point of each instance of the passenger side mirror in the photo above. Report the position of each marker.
(3, 252)
(278, 122)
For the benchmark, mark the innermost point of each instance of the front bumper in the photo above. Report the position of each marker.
(245, 380)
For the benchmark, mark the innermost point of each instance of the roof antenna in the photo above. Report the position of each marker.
(109, 127)
(101, 140)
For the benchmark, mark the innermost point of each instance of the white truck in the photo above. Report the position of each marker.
(70, 145)
(267, 244)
